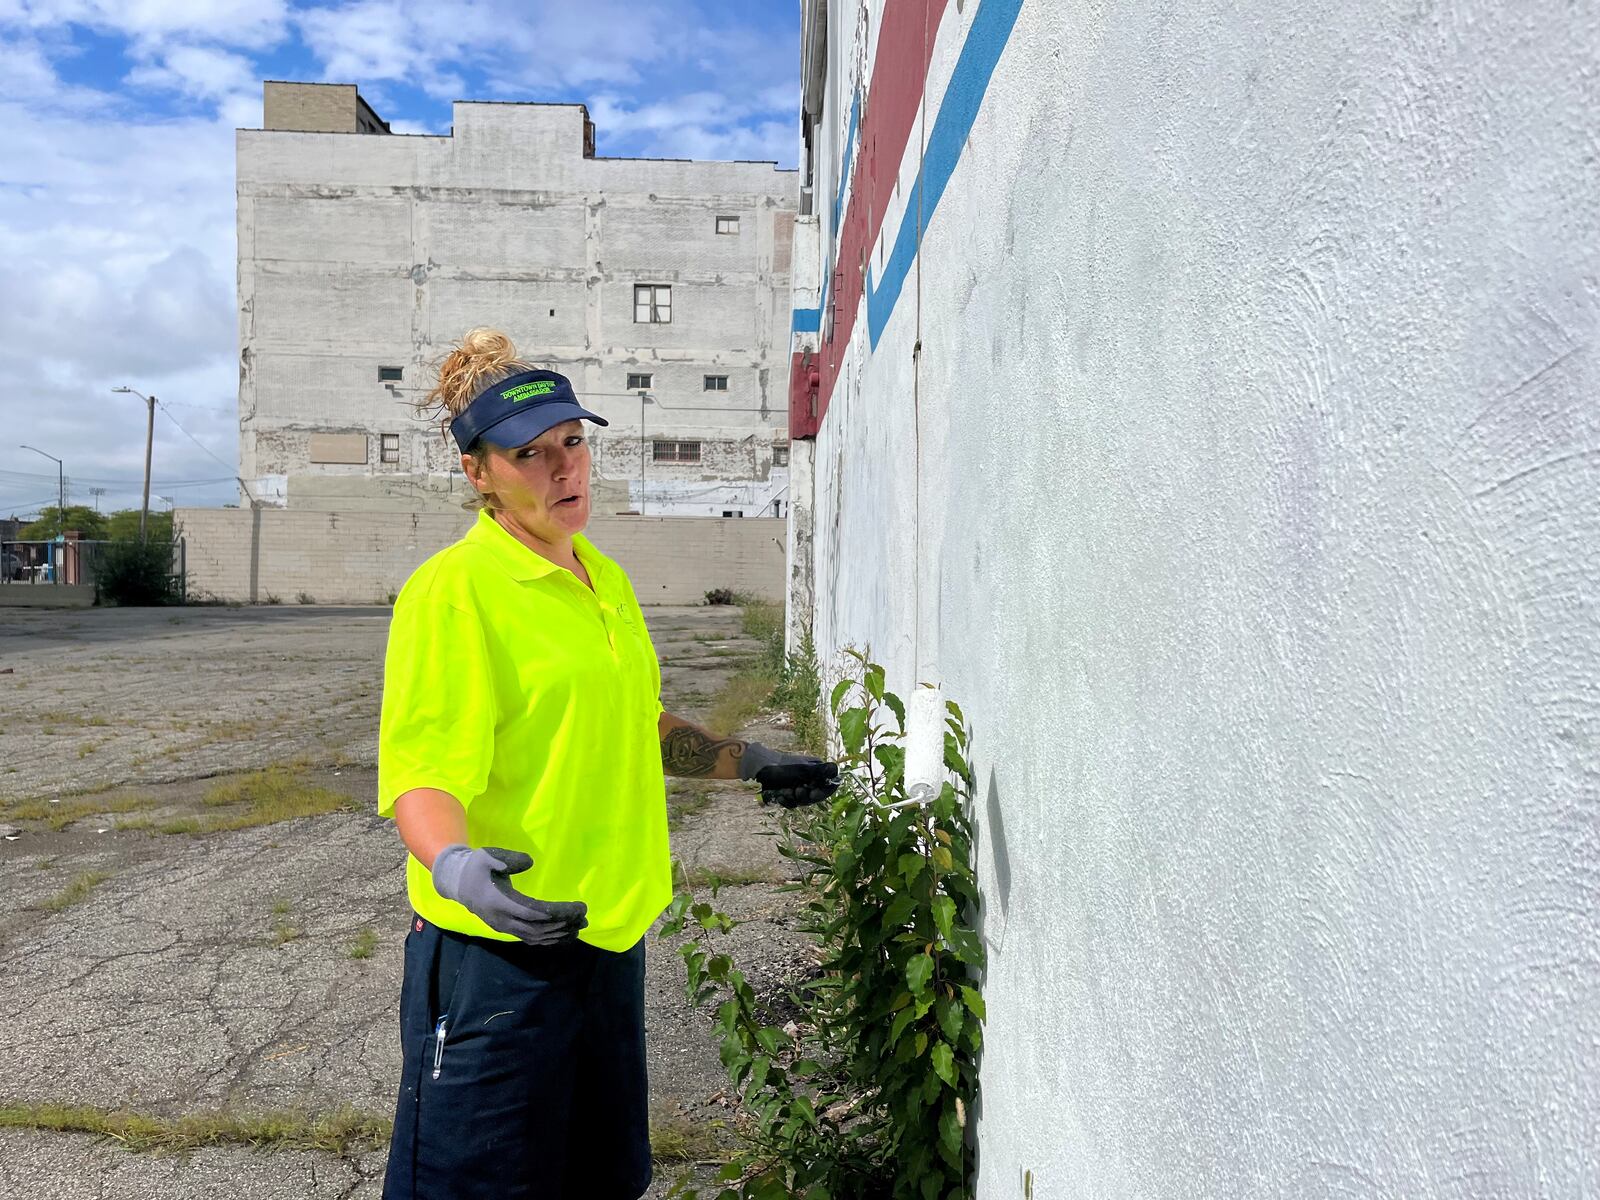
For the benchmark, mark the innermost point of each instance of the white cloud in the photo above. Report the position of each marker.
(541, 51)
(709, 125)
(199, 72)
(252, 23)
(117, 264)
(403, 126)
(375, 40)
(117, 258)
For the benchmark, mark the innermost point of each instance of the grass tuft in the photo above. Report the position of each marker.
(740, 699)
(675, 1137)
(266, 797)
(57, 815)
(763, 620)
(718, 876)
(75, 892)
(338, 1132)
(366, 942)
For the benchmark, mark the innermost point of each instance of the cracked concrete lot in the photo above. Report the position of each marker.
(148, 965)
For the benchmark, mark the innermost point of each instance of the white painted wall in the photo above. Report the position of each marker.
(1259, 495)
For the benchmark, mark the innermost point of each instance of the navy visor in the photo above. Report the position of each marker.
(518, 409)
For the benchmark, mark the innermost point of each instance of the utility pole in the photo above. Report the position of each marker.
(149, 443)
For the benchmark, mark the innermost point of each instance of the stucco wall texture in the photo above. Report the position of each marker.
(1250, 506)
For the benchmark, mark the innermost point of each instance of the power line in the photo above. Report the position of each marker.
(39, 477)
(162, 404)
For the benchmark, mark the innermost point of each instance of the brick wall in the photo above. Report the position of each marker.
(309, 107)
(362, 557)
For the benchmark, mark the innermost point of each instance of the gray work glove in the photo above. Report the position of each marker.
(791, 780)
(480, 881)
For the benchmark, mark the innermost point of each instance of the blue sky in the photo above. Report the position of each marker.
(117, 256)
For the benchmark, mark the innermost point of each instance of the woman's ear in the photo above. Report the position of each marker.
(477, 472)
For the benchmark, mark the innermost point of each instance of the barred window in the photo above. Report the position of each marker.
(390, 451)
(637, 382)
(652, 303)
(716, 383)
(780, 456)
(675, 452)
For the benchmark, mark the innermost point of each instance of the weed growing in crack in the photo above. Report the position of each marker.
(366, 942)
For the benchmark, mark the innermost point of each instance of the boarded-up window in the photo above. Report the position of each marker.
(338, 448)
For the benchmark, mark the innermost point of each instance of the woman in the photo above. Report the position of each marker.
(521, 753)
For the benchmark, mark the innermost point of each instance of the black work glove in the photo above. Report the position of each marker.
(791, 780)
(480, 881)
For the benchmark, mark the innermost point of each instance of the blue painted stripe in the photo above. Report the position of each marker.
(844, 163)
(991, 30)
(809, 320)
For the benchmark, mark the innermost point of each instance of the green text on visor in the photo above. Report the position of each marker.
(518, 409)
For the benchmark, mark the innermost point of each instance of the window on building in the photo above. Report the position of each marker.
(675, 452)
(390, 451)
(390, 374)
(652, 303)
(732, 512)
(636, 382)
(716, 383)
(727, 224)
(780, 456)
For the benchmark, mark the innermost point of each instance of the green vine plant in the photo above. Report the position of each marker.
(866, 1094)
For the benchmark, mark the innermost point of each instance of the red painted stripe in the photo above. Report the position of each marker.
(804, 408)
(899, 75)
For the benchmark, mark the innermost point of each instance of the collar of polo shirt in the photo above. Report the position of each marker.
(517, 560)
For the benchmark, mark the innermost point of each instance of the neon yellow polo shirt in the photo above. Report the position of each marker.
(534, 702)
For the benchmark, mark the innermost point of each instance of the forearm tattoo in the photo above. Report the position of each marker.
(690, 751)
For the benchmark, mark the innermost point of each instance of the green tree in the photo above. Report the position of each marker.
(123, 526)
(89, 524)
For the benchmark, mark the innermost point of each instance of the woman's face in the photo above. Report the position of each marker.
(542, 487)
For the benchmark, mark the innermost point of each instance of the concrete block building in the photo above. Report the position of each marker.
(661, 287)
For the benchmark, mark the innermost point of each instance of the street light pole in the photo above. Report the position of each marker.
(61, 486)
(149, 443)
(61, 511)
(644, 398)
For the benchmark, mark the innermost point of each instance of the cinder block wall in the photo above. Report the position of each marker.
(363, 557)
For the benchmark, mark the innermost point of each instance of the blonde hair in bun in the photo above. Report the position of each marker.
(481, 357)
